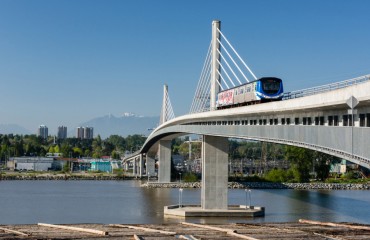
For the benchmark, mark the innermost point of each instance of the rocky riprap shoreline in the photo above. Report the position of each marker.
(266, 185)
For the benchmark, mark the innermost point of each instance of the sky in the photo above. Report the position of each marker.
(66, 62)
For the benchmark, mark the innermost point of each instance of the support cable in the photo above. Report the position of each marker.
(227, 86)
(201, 79)
(203, 89)
(230, 68)
(236, 65)
(237, 54)
(224, 70)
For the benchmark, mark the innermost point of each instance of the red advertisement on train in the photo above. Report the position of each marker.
(226, 98)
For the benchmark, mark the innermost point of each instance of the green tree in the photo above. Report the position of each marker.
(115, 155)
(301, 162)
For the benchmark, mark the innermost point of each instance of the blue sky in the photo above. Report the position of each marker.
(65, 62)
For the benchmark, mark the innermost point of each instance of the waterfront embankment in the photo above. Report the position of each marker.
(266, 185)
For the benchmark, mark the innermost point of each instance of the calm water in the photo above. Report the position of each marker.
(24, 202)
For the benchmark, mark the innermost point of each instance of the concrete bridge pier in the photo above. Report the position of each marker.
(141, 165)
(164, 168)
(150, 166)
(134, 172)
(214, 193)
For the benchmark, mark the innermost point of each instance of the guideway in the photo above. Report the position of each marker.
(214, 193)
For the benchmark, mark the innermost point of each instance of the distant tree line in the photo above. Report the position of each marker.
(32, 145)
(303, 163)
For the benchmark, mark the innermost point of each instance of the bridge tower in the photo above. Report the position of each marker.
(215, 77)
(164, 105)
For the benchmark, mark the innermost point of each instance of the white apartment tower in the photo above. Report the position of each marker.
(43, 131)
(62, 132)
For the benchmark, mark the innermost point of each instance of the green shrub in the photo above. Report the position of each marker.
(190, 177)
(276, 175)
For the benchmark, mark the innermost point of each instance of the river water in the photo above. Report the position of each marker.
(29, 202)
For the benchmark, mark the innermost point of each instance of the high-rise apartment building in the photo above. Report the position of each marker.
(80, 133)
(62, 132)
(43, 131)
(85, 133)
(88, 133)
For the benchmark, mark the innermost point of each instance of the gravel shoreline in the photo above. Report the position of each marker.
(231, 185)
(267, 185)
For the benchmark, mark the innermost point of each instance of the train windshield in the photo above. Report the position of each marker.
(271, 85)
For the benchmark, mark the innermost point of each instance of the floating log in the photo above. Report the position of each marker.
(143, 228)
(230, 232)
(136, 237)
(334, 224)
(13, 231)
(188, 237)
(74, 228)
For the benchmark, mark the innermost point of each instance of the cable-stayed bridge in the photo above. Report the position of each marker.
(334, 119)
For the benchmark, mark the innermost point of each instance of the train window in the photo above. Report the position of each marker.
(288, 121)
(214, 123)
(255, 122)
(224, 123)
(237, 122)
(264, 121)
(368, 120)
(271, 86)
(296, 121)
(260, 122)
(230, 123)
(275, 121)
(309, 121)
(362, 120)
(248, 89)
(218, 122)
(304, 121)
(271, 121)
(283, 121)
(250, 122)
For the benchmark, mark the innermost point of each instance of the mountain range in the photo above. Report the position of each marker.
(128, 124)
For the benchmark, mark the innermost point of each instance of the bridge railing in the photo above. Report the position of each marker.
(326, 88)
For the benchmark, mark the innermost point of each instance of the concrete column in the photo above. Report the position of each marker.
(141, 165)
(164, 171)
(126, 166)
(134, 167)
(214, 193)
(150, 166)
(215, 78)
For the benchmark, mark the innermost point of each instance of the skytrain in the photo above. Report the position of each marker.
(262, 90)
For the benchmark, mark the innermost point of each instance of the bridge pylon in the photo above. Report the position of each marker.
(215, 62)
(167, 111)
